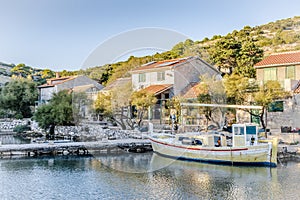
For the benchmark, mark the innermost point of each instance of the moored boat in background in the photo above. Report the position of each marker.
(244, 149)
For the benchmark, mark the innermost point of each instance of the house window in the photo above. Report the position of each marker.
(160, 76)
(142, 78)
(290, 72)
(270, 74)
(276, 106)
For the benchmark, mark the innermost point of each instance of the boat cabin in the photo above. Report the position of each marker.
(244, 135)
(206, 140)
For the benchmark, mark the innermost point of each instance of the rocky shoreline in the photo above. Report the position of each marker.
(288, 147)
(8, 125)
(80, 133)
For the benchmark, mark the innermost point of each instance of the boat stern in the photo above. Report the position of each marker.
(273, 152)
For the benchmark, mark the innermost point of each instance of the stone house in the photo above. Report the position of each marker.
(76, 84)
(116, 84)
(285, 68)
(169, 78)
(85, 104)
(171, 75)
(57, 84)
(120, 89)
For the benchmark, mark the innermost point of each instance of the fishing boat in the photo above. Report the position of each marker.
(242, 149)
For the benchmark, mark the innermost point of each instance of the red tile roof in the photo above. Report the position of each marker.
(160, 64)
(193, 91)
(277, 59)
(157, 89)
(59, 78)
(55, 81)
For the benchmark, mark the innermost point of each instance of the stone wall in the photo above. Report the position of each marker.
(260, 74)
(287, 138)
(289, 117)
(87, 131)
(242, 116)
(95, 132)
(10, 124)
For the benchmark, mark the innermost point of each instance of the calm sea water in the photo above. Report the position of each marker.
(9, 138)
(142, 176)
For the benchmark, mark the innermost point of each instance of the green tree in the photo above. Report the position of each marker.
(215, 37)
(59, 111)
(68, 73)
(266, 94)
(102, 105)
(236, 55)
(47, 73)
(81, 105)
(212, 91)
(245, 91)
(142, 100)
(236, 87)
(174, 103)
(19, 96)
(180, 48)
(225, 52)
(21, 70)
(115, 105)
(121, 105)
(249, 55)
(204, 97)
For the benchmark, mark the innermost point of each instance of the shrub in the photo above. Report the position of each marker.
(294, 143)
(18, 116)
(21, 128)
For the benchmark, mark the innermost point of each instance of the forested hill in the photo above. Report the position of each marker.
(282, 35)
(238, 50)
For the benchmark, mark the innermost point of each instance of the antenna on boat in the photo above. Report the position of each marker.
(150, 128)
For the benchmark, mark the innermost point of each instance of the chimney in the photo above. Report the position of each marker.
(57, 75)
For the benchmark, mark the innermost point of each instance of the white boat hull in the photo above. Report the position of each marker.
(259, 155)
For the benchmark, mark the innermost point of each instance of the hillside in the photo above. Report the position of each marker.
(5, 72)
(278, 36)
(5, 69)
(282, 35)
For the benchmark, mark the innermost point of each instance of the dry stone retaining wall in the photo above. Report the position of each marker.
(95, 131)
(290, 117)
(10, 124)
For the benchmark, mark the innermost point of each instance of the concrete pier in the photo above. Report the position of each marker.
(81, 148)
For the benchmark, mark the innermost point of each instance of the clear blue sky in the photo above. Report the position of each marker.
(60, 34)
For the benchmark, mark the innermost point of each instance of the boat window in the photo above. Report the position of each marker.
(251, 130)
(239, 130)
(180, 138)
(187, 141)
(198, 142)
(217, 141)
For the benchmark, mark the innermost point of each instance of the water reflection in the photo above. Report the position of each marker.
(142, 176)
(207, 181)
(9, 138)
(45, 162)
(126, 162)
(172, 178)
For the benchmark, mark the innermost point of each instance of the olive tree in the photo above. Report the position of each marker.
(244, 91)
(59, 111)
(19, 96)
